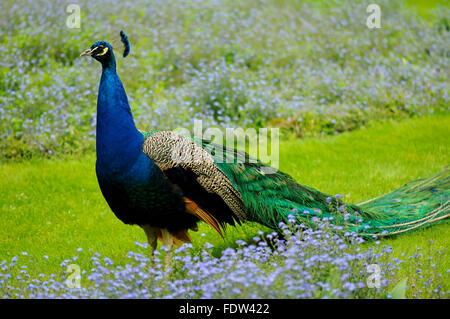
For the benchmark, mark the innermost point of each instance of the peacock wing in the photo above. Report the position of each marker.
(187, 164)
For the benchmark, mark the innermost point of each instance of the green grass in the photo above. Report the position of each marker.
(425, 8)
(52, 207)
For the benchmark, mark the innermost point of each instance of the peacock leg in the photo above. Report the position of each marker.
(152, 238)
(168, 243)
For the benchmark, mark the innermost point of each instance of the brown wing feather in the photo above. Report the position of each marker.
(169, 149)
(192, 208)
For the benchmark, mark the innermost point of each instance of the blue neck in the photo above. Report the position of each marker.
(118, 141)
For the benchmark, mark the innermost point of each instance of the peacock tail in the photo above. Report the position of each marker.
(417, 204)
(270, 197)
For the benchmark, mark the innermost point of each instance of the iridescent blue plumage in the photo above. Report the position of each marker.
(126, 43)
(131, 183)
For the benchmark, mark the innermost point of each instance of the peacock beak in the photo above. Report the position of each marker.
(88, 52)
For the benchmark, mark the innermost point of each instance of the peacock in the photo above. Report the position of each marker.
(145, 184)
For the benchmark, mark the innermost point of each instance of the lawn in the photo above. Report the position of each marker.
(52, 207)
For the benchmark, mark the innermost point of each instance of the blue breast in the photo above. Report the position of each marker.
(134, 187)
(140, 194)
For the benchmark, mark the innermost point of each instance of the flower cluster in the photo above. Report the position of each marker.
(307, 68)
(297, 263)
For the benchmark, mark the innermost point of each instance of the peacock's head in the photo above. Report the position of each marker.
(102, 51)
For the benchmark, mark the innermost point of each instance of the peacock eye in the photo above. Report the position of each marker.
(101, 50)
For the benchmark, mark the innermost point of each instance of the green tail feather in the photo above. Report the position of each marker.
(270, 198)
(417, 204)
